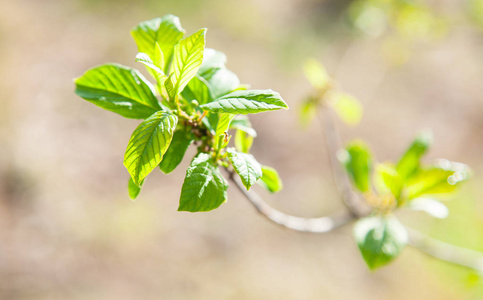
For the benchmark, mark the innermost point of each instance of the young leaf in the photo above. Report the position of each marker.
(308, 111)
(387, 180)
(243, 141)
(148, 144)
(175, 153)
(146, 60)
(212, 59)
(440, 179)
(188, 55)
(246, 167)
(241, 122)
(357, 160)
(409, 162)
(133, 189)
(222, 82)
(346, 106)
(153, 69)
(270, 180)
(223, 124)
(119, 89)
(380, 239)
(165, 31)
(316, 74)
(247, 102)
(198, 89)
(204, 188)
(430, 206)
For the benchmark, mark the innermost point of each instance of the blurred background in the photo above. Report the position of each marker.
(68, 229)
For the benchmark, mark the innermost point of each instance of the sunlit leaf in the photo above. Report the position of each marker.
(243, 141)
(246, 102)
(212, 59)
(165, 31)
(387, 180)
(246, 166)
(442, 178)
(380, 239)
(222, 82)
(308, 111)
(223, 124)
(119, 89)
(316, 74)
(204, 187)
(187, 58)
(146, 60)
(346, 106)
(357, 160)
(241, 122)
(410, 161)
(148, 144)
(270, 180)
(134, 189)
(198, 89)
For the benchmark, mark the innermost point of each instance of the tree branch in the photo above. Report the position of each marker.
(332, 140)
(456, 255)
(311, 225)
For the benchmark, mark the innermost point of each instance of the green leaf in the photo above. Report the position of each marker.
(158, 59)
(165, 31)
(430, 206)
(243, 141)
(380, 239)
(346, 106)
(153, 69)
(204, 187)
(146, 60)
(119, 89)
(176, 151)
(387, 180)
(223, 124)
(212, 59)
(133, 189)
(316, 74)
(148, 144)
(170, 87)
(270, 180)
(442, 178)
(241, 122)
(188, 55)
(246, 102)
(308, 111)
(357, 160)
(198, 89)
(409, 162)
(222, 82)
(246, 167)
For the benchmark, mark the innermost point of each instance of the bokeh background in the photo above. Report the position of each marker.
(68, 229)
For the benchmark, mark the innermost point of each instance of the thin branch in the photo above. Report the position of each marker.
(456, 255)
(311, 225)
(341, 180)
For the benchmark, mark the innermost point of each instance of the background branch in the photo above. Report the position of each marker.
(456, 255)
(333, 143)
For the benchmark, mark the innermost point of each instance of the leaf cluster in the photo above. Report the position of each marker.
(388, 186)
(194, 99)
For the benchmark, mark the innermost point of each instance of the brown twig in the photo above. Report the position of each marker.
(311, 225)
